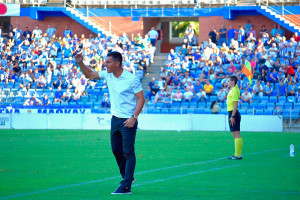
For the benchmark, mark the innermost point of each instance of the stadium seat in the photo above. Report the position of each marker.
(10, 98)
(295, 114)
(281, 99)
(244, 106)
(243, 112)
(213, 98)
(280, 105)
(184, 104)
(159, 105)
(174, 111)
(156, 111)
(273, 99)
(224, 112)
(268, 112)
(264, 99)
(288, 106)
(253, 105)
(93, 98)
(193, 105)
(164, 111)
(270, 106)
(199, 111)
(291, 99)
(250, 111)
(261, 106)
(190, 111)
(2, 98)
(256, 99)
(286, 114)
(84, 98)
(176, 105)
(296, 106)
(259, 112)
(201, 104)
(89, 104)
(207, 111)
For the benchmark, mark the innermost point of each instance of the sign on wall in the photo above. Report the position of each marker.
(9, 9)
(4, 121)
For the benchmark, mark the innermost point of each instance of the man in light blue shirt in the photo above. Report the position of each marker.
(127, 100)
(50, 31)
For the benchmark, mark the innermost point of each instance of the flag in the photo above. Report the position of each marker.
(247, 71)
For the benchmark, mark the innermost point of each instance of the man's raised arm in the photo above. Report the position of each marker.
(89, 73)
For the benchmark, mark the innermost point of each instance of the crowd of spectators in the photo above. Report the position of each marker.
(40, 60)
(198, 73)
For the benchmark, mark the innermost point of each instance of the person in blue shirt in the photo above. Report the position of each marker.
(268, 89)
(50, 31)
(231, 33)
(58, 95)
(67, 31)
(292, 88)
(282, 90)
(222, 33)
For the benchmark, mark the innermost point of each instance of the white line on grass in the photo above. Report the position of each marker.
(183, 175)
(116, 177)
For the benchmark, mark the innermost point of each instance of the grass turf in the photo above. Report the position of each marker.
(76, 164)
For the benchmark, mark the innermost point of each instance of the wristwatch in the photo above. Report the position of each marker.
(135, 117)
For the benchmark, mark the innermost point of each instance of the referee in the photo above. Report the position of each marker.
(127, 101)
(234, 117)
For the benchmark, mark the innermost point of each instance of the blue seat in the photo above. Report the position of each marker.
(243, 112)
(164, 111)
(213, 98)
(253, 105)
(224, 112)
(273, 99)
(159, 105)
(295, 114)
(264, 99)
(193, 105)
(176, 105)
(256, 99)
(174, 111)
(244, 106)
(156, 111)
(84, 98)
(93, 98)
(201, 104)
(190, 111)
(268, 112)
(207, 111)
(184, 104)
(271, 106)
(261, 106)
(150, 105)
(250, 112)
(259, 112)
(199, 111)
(296, 106)
(286, 114)
(281, 99)
(288, 106)
(280, 105)
(291, 99)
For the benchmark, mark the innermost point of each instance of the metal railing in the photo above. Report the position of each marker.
(88, 16)
(283, 10)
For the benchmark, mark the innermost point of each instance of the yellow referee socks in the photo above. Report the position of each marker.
(238, 143)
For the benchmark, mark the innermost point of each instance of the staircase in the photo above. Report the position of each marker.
(154, 70)
(83, 20)
(284, 21)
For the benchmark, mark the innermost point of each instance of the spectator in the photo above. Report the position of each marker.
(160, 95)
(33, 101)
(67, 32)
(105, 102)
(213, 35)
(214, 107)
(208, 88)
(188, 95)
(41, 82)
(221, 95)
(153, 35)
(282, 90)
(258, 89)
(168, 101)
(45, 101)
(248, 26)
(246, 97)
(67, 95)
(292, 88)
(37, 33)
(222, 33)
(177, 96)
(201, 95)
(58, 95)
(268, 89)
(231, 33)
(75, 96)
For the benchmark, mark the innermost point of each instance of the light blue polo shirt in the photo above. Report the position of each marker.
(122, 92)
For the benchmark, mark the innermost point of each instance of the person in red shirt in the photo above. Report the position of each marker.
(296, 37)
(232, 67)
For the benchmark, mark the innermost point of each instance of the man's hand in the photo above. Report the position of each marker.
(79, 57)
(130, 122)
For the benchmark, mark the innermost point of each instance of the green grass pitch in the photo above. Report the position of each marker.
(77, 165)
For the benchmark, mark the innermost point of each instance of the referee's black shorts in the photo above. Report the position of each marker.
(237, 117)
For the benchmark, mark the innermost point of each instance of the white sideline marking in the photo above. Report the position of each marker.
(115, 177)
(183, 175)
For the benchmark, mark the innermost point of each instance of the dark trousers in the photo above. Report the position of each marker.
(122, 143)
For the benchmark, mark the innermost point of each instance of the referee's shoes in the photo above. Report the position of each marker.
(233, 157)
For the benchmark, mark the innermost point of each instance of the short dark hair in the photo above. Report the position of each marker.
(116, 56)
(233, 78)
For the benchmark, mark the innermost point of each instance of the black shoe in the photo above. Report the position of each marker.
(233, 157)
(122, 190)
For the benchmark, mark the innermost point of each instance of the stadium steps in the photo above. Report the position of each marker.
(285, 22)
(154, 70)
